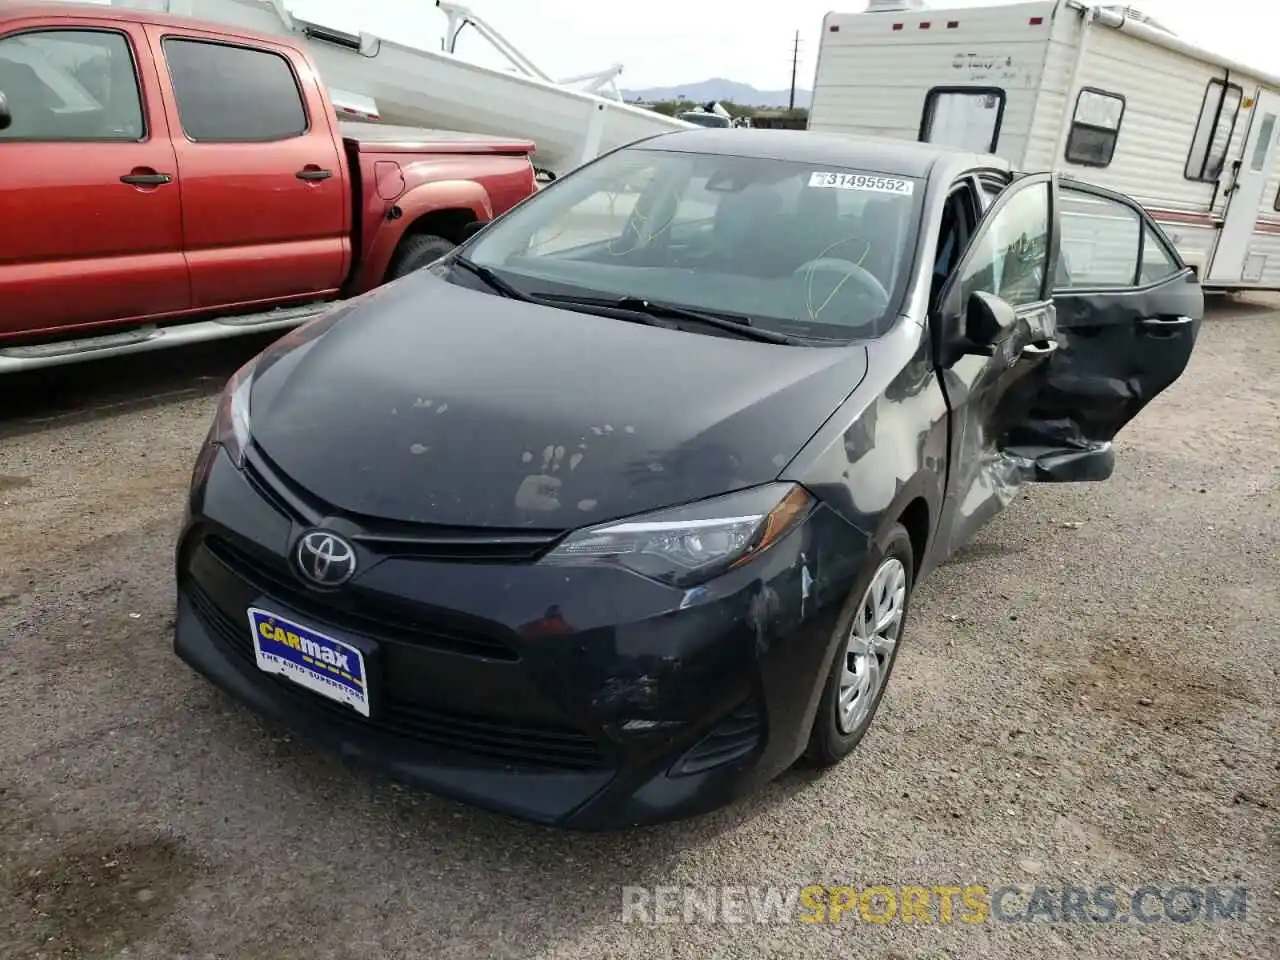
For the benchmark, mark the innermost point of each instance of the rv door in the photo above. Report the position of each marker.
(1128, 312)
(1251, 172)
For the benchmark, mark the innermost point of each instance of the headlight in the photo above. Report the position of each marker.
(687, 545)
(231, 424)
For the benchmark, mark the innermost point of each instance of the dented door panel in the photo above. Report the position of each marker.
(1117, 350)
(1012, 255)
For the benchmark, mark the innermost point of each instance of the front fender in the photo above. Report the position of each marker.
(886, 446)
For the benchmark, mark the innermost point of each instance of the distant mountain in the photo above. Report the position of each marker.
(720, 89)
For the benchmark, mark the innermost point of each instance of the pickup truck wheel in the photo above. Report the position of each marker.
(870, 630)
(416, 252)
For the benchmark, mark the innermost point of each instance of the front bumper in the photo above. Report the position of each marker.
(587, 698)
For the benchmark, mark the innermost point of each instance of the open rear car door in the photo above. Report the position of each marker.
(1128, 313)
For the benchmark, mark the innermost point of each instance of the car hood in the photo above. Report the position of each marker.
(432, 403)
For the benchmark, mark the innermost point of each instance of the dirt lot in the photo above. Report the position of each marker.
(1089, 696)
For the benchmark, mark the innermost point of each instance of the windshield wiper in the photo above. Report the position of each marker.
(494, 281)
(741, 326)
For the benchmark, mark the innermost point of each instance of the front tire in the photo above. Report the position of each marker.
(870, 630)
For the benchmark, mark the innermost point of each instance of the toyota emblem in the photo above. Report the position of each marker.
(326, 559)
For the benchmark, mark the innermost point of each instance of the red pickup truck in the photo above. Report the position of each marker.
(169, 181)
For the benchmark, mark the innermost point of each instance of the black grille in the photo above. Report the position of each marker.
(731, 739)
(422, 541)
(379, 620)
(560, 748)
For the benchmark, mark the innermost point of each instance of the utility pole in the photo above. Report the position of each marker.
(795, 63)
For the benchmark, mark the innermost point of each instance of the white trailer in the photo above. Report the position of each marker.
(1101, 93)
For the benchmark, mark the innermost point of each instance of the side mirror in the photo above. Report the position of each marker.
(472, 228)
(987, 320)
(5, 117)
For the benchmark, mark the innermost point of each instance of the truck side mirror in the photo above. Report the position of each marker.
(5, 117)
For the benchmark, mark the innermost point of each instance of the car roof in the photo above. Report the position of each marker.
(882, 154)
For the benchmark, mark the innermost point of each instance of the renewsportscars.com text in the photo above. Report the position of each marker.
(938, 904)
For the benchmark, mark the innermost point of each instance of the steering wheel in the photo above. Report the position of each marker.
(864, 281)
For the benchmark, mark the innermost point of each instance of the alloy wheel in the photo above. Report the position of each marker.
(869, 649)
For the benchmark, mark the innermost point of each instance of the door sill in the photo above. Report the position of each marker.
(152, 337)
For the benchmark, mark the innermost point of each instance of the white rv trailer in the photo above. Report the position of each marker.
(1101, 93)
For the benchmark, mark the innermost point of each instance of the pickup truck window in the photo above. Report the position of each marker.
(70, 85)
(233, 94)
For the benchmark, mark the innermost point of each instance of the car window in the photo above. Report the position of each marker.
(233, 94)
(598, 215)
(1158, 261)
(70, 85)
(806, 250)
(1011, 250)
(1099, 240)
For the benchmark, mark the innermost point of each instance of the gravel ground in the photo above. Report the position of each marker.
(1088, 697)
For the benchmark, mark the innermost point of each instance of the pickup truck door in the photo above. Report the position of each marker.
(1128, 313)
(92, 217)
(265, 195)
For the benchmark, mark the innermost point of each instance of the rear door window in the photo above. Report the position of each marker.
(1099, 241)
(1108, 244)
(233, 94)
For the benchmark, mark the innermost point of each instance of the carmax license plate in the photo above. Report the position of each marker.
(310, 659)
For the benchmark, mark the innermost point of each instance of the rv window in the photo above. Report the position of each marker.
(1095, 128)
(1098, 241)
(1213, 131)
(964, 117)
(1263, 144)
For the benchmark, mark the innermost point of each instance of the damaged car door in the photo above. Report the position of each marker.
(1128, 313)
(993, 328)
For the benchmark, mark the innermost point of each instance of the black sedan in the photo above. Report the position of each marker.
(616, 510)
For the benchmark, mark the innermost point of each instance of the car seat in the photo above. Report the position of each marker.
(745, 231)
(30, 101)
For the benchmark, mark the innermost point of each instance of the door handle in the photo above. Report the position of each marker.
(146, 179)
(313, 173)
(1165, 323)
(1041, 349)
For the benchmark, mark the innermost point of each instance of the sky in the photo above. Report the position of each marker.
(671, 42)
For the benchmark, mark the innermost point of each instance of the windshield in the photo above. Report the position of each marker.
(809, 251)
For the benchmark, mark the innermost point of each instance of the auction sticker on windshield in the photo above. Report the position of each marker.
(862, 181)
(310, 659)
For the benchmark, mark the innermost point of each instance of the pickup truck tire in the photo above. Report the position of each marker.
(416, 252)
(883, 587)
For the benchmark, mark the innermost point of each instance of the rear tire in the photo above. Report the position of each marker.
(870, 630)
(416, 252)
